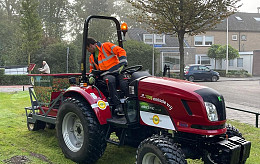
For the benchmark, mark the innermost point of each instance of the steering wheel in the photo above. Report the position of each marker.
(132, 69)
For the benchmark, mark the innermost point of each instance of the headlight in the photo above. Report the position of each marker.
(211, 111)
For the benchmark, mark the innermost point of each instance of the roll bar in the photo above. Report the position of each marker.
(85, 36)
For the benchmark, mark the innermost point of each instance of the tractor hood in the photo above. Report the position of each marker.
(184, 102)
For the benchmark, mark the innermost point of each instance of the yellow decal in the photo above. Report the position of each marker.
(156, 119)
(32, 80)
(149, 97)
(101, 104)
(82, 67)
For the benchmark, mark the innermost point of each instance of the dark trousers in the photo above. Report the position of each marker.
(113, 81)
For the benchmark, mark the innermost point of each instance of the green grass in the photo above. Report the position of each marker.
(42, 146)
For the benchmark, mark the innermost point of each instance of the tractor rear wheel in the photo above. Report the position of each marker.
(159, 150)
(80, 136)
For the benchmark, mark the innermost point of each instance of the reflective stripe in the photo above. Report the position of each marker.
(106, 59)
(104, 52)
(113, 48)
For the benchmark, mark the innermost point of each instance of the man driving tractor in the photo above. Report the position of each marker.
(108, 57)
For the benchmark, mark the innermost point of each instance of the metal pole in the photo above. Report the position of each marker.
(256, 120)
(227, 49)
(68, 50)
(153, 58)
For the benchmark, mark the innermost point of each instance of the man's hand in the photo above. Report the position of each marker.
(91, 80)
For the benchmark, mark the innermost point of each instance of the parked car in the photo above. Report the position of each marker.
(200, 72)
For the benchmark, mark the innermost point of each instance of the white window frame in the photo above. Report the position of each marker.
(203, 41)
(234, 37)
(198, 59)
(166, 53)
(155, 37)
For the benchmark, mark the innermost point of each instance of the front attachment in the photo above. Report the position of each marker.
(235, 150)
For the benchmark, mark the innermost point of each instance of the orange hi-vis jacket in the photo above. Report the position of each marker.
(110, 57)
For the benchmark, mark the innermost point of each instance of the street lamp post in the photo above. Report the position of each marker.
(68, 50)
(227, 49)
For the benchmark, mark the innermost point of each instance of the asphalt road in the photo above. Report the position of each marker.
(246, 93)
(241, 94)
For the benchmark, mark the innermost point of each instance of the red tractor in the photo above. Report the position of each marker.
(169, 120)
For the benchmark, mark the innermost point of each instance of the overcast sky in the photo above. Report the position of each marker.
(249, 6)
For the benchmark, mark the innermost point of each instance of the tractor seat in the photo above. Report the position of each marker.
(139, 74)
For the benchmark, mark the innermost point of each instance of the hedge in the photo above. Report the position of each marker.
(13, 79)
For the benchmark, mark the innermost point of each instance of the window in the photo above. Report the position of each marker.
(238, 18)
(203, 40)
(171, 59)
(198, 40)
(148, 38)
(239, 62)
(231, 62)
(204, 68)
(203, 60)
(243, 37)
(234, 37)
(257, 19)
(158, 38)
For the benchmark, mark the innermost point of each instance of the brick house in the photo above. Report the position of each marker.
(168, 47)
(243, 35)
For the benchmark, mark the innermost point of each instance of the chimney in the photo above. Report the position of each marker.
(258, 10)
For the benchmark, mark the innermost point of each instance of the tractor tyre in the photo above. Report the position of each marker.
(159, 150)
(213, 157)
(80, 136)
(38, 125)
(232, 131)
(191, 78)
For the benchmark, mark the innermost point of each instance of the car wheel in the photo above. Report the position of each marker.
(191, 78)
(214, 78)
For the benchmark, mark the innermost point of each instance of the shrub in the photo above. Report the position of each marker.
(238, 73)
(13, 79)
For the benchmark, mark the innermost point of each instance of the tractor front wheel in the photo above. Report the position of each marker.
(159, 149)
(80, 136)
